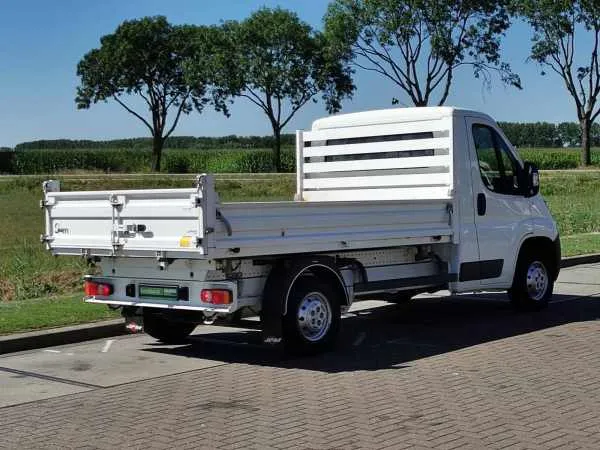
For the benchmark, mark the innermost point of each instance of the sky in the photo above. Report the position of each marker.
(42, 41)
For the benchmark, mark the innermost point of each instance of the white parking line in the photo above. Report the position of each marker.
(52, 351)
(107, 345)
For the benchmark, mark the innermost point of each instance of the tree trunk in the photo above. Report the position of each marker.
(586, 157)
(277, 149)
(157, 146)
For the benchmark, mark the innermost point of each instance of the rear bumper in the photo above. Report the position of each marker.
(126, 292)
(157, 304)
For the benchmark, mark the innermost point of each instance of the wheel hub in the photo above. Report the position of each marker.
(537, 281)
(314, 316)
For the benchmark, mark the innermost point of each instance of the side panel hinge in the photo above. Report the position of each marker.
(47, 202)
(51, 186)
(44, 238)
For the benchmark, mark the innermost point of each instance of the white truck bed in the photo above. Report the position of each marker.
(175, 226)
(358, 187)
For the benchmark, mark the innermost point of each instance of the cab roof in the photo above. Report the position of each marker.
(393, 115)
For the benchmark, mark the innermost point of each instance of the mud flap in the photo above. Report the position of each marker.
(272, 309)
(275, 296)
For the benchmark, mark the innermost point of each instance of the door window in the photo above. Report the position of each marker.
(497, 165)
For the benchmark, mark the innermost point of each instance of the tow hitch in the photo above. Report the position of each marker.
(134, 320)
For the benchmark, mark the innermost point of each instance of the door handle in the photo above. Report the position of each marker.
(481, 204)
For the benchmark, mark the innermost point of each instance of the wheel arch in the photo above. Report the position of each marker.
(547, 248)
(280, 282)
(324, 273)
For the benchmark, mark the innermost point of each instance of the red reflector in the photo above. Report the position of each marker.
(92, 288)
(216, 296)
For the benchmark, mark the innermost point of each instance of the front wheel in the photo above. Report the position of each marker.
(165, 330)
(532, 285)
(312, 319)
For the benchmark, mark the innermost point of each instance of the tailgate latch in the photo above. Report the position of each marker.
(136, 228)
(117, 202)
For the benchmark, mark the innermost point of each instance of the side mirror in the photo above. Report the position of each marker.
(532, 179)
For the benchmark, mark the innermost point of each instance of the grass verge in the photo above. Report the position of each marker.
(580, 244)
(573, 200)
(50, 312)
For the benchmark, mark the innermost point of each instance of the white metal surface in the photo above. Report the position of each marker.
(84, 224)
(381, 147)
(88, 219)
(507, 219)
(299, 227)
(130, 222)
(355, 158)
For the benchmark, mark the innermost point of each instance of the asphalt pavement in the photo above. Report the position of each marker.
(439, 372)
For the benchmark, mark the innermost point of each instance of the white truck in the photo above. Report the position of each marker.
(389, 204)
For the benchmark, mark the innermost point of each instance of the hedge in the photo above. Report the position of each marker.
(216, 161)
(174, 142)
(127, 160)
(552, 159)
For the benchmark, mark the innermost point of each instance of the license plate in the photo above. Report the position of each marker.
(167, 292)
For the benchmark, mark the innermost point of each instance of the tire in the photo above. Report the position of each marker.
(532, 284)
(312, 320)
(165, 330)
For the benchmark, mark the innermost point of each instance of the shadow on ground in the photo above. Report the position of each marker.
(393, 336)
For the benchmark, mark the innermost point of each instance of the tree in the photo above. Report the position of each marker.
(595, 135)
(419, 44)
(569, 134)
(145, 57)
(280, 64)
(555, 25)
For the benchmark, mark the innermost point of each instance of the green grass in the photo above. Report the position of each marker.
(574, 201)
(50, 312)
(580, 244)
(27, 270)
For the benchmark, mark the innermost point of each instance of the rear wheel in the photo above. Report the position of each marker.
(166, 330)
(312, 320)
(533, 283)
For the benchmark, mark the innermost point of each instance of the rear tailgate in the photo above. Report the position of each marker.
(136, 223)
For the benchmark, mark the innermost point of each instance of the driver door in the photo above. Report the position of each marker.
(502, 212)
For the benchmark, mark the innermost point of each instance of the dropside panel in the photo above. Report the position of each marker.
(262, 229)
(125, 223)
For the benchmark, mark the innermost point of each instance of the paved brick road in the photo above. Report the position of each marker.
(444, 374)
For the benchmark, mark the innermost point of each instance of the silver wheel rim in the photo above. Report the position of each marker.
(314, 316)
(537, 281)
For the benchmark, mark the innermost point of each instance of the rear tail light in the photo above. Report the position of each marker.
(93, 288)
(216, 296)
